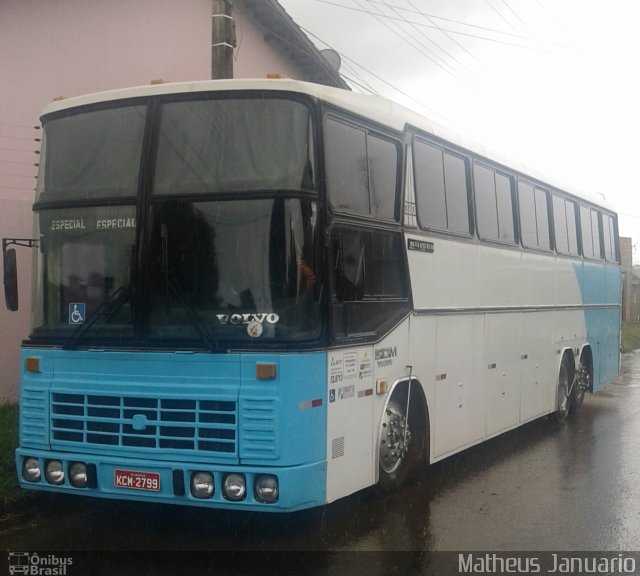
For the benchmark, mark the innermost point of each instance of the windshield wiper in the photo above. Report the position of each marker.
(196, 318)
(172, 284)
(111, 305)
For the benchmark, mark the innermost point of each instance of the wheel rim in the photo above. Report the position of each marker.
(395, 437)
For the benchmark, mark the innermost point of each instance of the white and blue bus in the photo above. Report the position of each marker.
(268, 295)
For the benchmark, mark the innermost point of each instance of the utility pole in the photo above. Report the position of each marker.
(223, 39)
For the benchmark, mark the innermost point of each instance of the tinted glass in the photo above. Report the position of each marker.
(92, 155)
(504, 200)
(486, 211)
(455, 177)
(587, 234)
(542, 219)
(369, 280)
(213, 146)
(383, 174)
(595, 231)
(84, 263)
(560, 224)
(528, 222)
(429, 182)
(347, 170)
(228, 265)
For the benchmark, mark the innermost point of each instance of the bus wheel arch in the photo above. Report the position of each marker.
(403, 438)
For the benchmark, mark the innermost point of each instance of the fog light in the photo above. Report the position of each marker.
(31, 470)
(266, 488)
(202, 485)
(78, 475)
(54, 472)
(234, 487)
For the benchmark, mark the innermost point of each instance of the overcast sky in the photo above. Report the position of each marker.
(553, 83)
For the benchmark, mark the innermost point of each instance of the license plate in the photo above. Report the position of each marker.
(137, 480)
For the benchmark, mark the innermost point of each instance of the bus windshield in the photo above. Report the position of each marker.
(211, 238)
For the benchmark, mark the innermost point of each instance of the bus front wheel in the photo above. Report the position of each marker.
(393, 446)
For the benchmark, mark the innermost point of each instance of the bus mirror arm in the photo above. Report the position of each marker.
(10, 267)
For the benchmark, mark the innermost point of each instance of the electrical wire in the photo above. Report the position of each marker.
(426, 52)
(422, 24)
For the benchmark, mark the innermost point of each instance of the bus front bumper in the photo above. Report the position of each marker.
(277, 489)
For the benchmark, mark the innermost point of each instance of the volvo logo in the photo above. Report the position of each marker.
(260, 318)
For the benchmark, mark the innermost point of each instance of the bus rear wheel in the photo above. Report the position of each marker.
(565, 378)
(394, 445)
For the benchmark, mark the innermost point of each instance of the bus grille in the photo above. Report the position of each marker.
(145, 423)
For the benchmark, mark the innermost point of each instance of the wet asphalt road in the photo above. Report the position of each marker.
(546, 486)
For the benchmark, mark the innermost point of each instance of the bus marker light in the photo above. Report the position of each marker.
(32, 364)
(265, 371)
(382, 386)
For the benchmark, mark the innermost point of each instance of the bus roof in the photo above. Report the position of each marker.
(378, 109)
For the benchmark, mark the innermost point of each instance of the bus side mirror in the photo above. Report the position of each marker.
(10, 279)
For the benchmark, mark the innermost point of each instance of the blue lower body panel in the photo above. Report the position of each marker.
(170, 415)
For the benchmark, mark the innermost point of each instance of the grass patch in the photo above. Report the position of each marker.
(9, 491)
(630, 336)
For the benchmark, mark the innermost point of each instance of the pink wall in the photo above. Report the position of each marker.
(72, 47)
(67, 48)
(15, 221)
(253, 57)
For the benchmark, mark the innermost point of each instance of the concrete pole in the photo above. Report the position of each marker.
(222, 39)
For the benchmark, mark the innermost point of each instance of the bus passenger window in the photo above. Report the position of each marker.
(590, 233)
(441, 189)
(534, 216)
(494, 204)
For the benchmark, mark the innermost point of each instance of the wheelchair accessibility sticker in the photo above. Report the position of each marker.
(76, 313)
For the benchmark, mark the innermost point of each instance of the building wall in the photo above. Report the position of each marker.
(73, 47)
(67, 48)
(253, 56)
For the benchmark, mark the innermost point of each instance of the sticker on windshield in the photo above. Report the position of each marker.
(254, 329)
(76, 313)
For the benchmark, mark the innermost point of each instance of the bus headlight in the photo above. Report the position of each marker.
(266, 489)
(78, 475)
(31, 470)
(202, 485)
(54, 472)
(234, 487)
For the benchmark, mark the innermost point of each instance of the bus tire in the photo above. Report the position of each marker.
(565, 377)
(584, 381)
(394, 446)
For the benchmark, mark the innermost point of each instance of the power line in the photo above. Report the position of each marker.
(429, 54)
(416, 10)
(387, 83)
(422, 24)
(447, 34)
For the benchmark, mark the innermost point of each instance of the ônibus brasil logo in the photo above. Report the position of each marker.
(32, 564)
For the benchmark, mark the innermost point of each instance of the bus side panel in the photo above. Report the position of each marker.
(459, 413)
(502, 353)
(603, 333)
(349, 421)
(601, 288)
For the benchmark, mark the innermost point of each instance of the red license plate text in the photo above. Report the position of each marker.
(137, 480)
